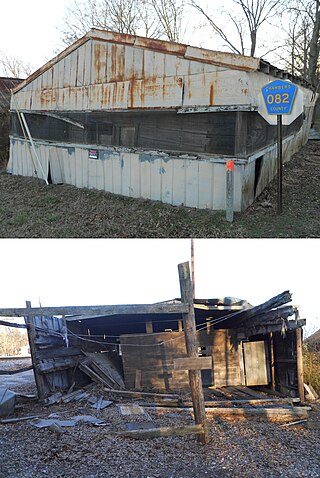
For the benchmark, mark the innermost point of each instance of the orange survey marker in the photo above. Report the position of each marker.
(230, 165)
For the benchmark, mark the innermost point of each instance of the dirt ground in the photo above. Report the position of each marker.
(29, 208)
(236, 449)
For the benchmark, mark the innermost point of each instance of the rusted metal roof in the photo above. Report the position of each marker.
(230, 60)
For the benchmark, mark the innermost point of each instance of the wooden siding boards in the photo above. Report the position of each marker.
(153, 355)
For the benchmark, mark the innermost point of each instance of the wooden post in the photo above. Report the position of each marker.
(192, 269)
(273, 380)
(300, 364)
(32, 339)
(149, 327)
(192, 351)
(230, 190)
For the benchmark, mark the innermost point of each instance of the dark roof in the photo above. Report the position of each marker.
(7, 84)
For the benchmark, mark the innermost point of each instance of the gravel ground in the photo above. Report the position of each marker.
(236, 448)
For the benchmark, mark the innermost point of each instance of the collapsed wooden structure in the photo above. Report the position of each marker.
(152, 119)
(142, 347)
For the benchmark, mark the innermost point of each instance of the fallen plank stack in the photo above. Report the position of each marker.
(100, 368)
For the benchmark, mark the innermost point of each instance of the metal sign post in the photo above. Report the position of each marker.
(279, 139)
(279, 98)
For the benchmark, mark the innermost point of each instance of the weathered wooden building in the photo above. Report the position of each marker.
(153, 119)
(137, 346)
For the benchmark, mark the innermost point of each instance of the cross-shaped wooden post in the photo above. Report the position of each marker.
(192, 352)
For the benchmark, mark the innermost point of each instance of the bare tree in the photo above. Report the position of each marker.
(14, 67)
(150, 18)
(169, 13)
(302, 46)
(12, 340)
(253, 13)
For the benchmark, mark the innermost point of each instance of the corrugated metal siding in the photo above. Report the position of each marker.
(169, 179)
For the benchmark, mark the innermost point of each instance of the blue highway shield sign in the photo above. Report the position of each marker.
(279, 97)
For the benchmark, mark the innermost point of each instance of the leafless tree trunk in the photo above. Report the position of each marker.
(302, 45)
(254, 14)
(314, 45)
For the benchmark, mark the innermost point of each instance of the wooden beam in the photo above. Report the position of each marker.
(198, 363)
(102, 310)
(162, 432)
(242, 316)
(300, 364)
(134, 394)
(192, 350)
(32, 343)
(11, 324)
(273, 380)
(276, 414)
(266, 329)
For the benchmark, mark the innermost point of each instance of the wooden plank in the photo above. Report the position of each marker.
(131, 409)
(96, 310)
(255, 363)
(191, 363)
(162, 432)
(300, 364)
(54, 352)
(149, 327)
(32, 338)
(192, 350)
(137, 380)
(276, 414)
(11, 324)
(134, 394)
(58, 364)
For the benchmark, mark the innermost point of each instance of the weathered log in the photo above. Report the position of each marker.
(162, 432)
(269, 414)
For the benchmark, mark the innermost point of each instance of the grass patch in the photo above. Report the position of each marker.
(20, 219)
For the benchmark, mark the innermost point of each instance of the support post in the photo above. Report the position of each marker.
(273, 381)
(149, 327)
(192, 269)
(230, 190)
(280, 167)
(32, 339)
(192, 351)
(300, 364)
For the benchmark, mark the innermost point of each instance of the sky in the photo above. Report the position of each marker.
(29, 29)
(141, 271)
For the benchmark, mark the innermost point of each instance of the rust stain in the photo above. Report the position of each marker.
(113, 63)
(211, 100)
(97, 60)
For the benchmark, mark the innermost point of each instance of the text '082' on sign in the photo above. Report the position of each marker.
(279, 97)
